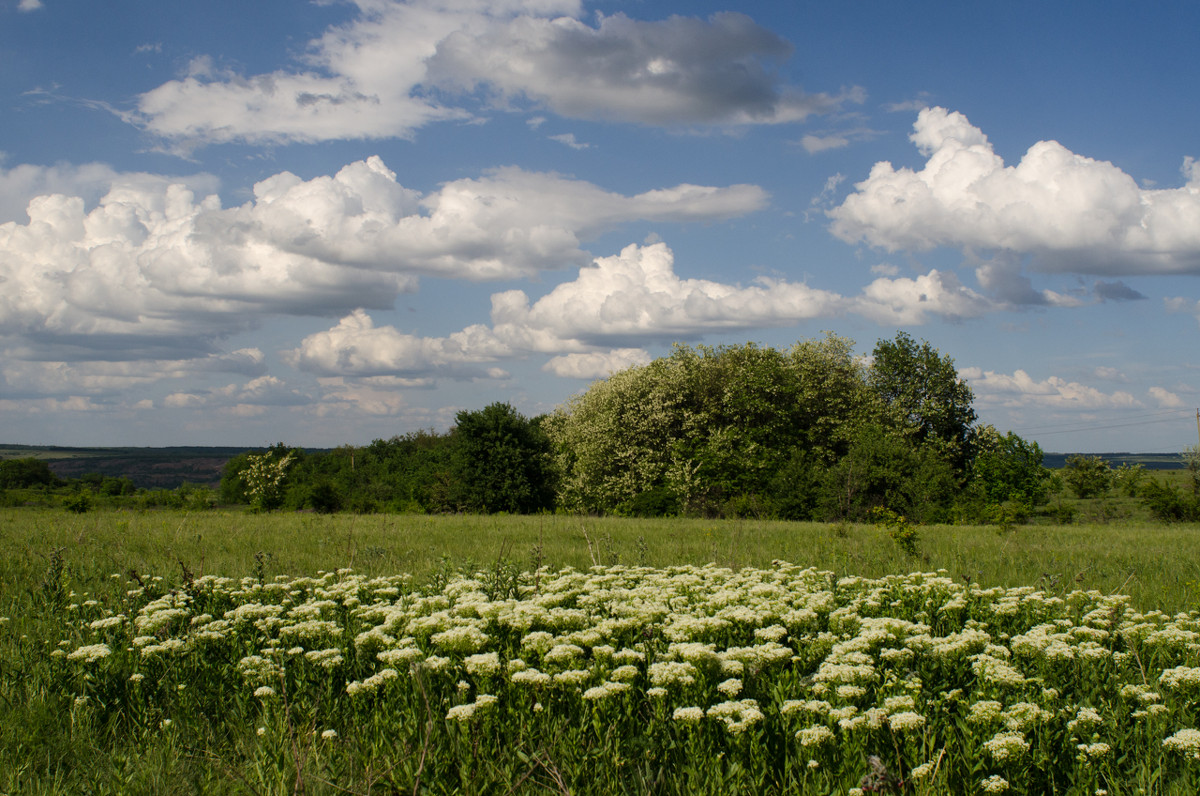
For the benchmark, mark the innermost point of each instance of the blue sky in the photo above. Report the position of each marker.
(234, 223)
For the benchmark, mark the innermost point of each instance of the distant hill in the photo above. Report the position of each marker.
(148, 468)
(1151, 461)
(168, 468)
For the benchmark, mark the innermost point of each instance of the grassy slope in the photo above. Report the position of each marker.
(1158, 565)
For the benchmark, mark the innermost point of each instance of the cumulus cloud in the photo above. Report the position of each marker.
(1069, 212)
(153, 266)
(1002, 279)
(25, 378)
(619, 301)
(1165, 398)
(29, 5)
(903, 301)
(249, 399)
(596, 365)
(1020, 389)
(90, 181)
(370, 78)
(356, 347)
(636, 295)
(677, 71)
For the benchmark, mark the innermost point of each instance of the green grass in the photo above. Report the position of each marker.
(1157, 565)
(50, 558)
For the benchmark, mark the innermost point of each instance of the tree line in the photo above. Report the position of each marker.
(811, 432)
(808, 433)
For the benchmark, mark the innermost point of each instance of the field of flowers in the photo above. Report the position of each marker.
(621, 679)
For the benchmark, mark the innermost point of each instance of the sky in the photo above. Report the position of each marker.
(324, 223)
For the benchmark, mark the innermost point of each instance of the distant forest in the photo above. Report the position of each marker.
(199, 465)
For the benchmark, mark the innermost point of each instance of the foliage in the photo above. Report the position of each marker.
(707, 424)
(924, 397)
(1006, 467)
(25, 473)
(264, 475)
(78, 503)
(1087, 476)
(501, 462)
(903, 533)
(883, 469)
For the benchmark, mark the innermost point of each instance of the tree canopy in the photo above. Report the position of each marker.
(810, 432)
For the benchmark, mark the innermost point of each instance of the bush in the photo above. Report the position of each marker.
(79, 503)
(1169, 503)
(1087, 476)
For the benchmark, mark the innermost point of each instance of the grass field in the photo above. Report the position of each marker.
(74, 722)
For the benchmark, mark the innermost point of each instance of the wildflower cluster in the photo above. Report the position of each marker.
(789, 676)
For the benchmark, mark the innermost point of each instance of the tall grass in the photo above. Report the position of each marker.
(52, 560)
(1157, 565)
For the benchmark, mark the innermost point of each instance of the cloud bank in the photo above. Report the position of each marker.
(1069, 213)
(152, 265)
(399, 66)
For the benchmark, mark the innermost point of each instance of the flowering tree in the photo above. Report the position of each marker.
(264, 475)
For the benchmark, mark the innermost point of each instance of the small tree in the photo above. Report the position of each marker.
(264, 476)
(1087, 476)
(1006, 468)
(501, 462)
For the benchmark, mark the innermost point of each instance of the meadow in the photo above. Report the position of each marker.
(227, 652)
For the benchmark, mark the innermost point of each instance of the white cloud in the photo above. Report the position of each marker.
(903, 302)
(51, 406)
(818, 143)
(25, 378)
(1071, 213)
(356, 347)
(1020, 389)
(636, 294)
(249, 399)
(1110, 374)
(621, 300)
(596, 365)
(29, 5)
(624, 300)
(568, 139)
(89, 181)
(1178, 304)
(369, 78)
(151, 266)
(1165, 398)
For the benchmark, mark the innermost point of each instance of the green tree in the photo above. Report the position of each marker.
(924, 397)
(265, 474)
(500, 461)
(1007, 467)
(882, 470)
(707, 429)
(26, 472)
(1087, 476)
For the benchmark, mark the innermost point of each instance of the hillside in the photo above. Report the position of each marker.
(168, 468)
(148, 468)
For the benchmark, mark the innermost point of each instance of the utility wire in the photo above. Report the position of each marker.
(1082, 429)
(1165, 416)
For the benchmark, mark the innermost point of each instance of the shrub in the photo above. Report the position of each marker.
(1087, 476)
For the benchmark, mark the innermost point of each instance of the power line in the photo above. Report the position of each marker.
(1165, 416)
(1082, 429)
